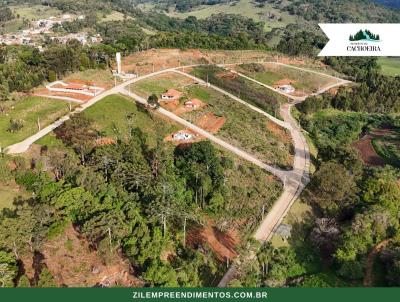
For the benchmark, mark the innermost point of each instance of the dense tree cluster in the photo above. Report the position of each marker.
(5, 14)
(341, 11)
(300, 43)
(125, 197)
(23, 68)
(378, 94)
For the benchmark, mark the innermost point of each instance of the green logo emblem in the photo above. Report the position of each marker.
(364, 35)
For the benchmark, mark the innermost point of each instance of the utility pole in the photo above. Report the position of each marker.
(38, 123)
(109, 238)
(184, 232)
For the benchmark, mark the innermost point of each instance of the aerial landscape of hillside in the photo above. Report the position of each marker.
(196, 143)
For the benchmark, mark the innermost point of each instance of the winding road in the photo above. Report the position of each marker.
(294, 181)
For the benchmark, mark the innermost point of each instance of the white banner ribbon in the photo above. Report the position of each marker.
(358, 39)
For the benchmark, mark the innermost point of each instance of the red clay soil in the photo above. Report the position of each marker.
(184, 142)
(104, 141)
(183, 109)
(222, 244)
(89, 83)
(170, 105)
(369, 276)
(367, 152)
(226, 75)
(279, 132)
(210, 122)
(73, 263)
(76, 96)
(284, 81)
(289, 61)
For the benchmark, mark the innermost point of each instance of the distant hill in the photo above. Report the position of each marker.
(389, 3)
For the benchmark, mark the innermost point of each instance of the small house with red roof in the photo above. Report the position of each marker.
(171, 95)
(193, 104)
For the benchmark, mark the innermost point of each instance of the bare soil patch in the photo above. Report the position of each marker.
(369, 276)
(289, 61)
(367, 152)
(183, 108)
(104, 141)
(72, 263)
(279, 132)
(227, 75)
(170, 105)
(210, 122)
(222, 244)
(284, 81)
(196, 138)
(76, 96)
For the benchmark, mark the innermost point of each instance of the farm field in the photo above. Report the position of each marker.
(389, 66)
(229, 119)
(28, 110)
(276, 75)
(247, 90)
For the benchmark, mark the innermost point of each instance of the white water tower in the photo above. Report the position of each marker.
(118, 57)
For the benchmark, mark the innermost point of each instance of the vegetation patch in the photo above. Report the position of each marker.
(20, 119)
(245, 89)
(276, 75)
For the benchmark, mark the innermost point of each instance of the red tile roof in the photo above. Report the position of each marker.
(172, 93)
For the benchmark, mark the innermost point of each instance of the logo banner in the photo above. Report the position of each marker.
(358, 39)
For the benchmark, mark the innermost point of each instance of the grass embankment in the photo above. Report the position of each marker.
(28, 111)
(8, 193)
(271, 74)
(243, 127)
(115, 115)
(388, 147)
(251, 92)
(389, 66)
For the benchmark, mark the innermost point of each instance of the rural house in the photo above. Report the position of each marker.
(171, 95)
(286, 88)
(194, 104)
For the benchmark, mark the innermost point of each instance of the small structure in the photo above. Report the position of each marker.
(171, 95)
(183, 135)
(60, 86)
(193, 104)
(118, 59)
(284, 230)
(286, 88)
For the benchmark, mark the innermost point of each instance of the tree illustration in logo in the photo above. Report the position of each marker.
(364, 35)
